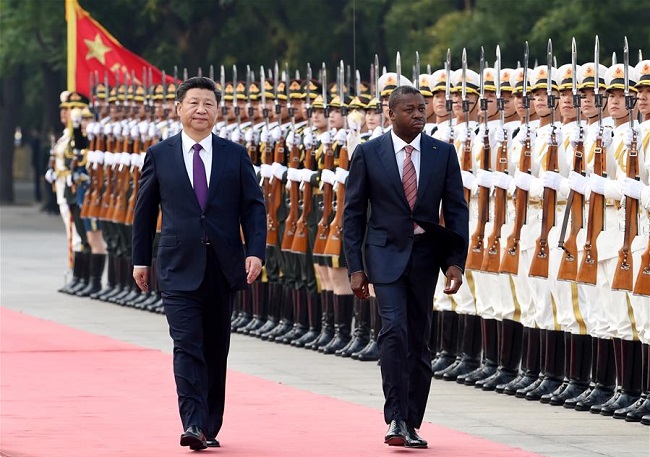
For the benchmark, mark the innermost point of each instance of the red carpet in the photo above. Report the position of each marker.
(67, 393)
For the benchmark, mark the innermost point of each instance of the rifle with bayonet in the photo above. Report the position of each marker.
(476, 251)
(540, 261)
(575, 207)
(291, 222)
(449, 103)
(623, 274)
(91, 167)
(492, 255)
(510, 260)
(276, 184)
(300, 238)
(466, 155)
(588, 269)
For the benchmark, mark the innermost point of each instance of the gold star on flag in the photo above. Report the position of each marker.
(97, 49)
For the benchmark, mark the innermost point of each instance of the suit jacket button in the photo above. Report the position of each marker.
(202, 216)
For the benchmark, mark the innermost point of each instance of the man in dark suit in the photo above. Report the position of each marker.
(395, 187)
(201, 259)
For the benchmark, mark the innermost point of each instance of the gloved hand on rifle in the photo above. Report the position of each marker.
(630, 135)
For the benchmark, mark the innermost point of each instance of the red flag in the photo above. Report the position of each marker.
(92, 50)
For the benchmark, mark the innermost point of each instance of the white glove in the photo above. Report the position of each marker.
(469, 180)
(502, 134)
(354, 139)
(278, 170)
(464, 134)
(444, 132)
(108, 158)
(306, 174)
(523, 180)
(235, 135)
(248, 136)
(256, 169)
(325, 138)
(143, 127)
(521, 136)
(135, 160)
(578, 183)
(99, 157)
(276, 133)
(342, 175)
(559, 136)
(223, 133)
(265, 136)
(293, 174)
(126, 131)
(607, 135)
(340, 137)
(327, 176)
(551, 179)
(50, 176)
(355, 120)
(265, 170)
(117, 129)
(597, 183)
(126, 159)
(632, 188)
(484, 178)
(135, 132)
(94, 128)
(153, 130)
(293, 139)
(107, 129)
(502, 180)
(68, 180)
(141, 161)
(308, 140)
(575, 136)
(75, 117)
(628, 137)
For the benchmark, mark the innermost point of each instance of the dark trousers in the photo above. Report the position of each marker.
(199, 324)
(405, 307)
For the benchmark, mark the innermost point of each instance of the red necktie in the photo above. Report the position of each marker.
(409, 178)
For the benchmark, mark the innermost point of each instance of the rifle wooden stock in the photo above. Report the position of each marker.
(492, 255)
(85, 206)
(623, 275)
(642, 284)
(588, 269)
(335, 235)
(108, 197)
(291, 223)
(568, 270)
(300, 238)
(510, 260)
(324, 224)
(253, 152)
(466, 165)
(275, 199)
(476, 251)
(123, 185)
(539, 264)
(134, 187)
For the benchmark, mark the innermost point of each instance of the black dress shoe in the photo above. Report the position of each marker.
(212, 442)
(413, 440)
(194, 438)
(396, 434)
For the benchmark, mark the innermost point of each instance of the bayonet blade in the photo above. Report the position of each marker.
(574, 67)
(448, 76)
(324, 85)
(614, 58)
(212, 72)
(234, 85)
(525, 70)
(376, 81)
(262, 86)
(481, 66)
(549, 67)
(626, 64)
(417, 70)
(398, 68)
(464, 76)
(596, 65)
(497, 65)
(222, 80)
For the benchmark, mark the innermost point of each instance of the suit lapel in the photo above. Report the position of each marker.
(386, 154)
(179, 164)
(219, 158)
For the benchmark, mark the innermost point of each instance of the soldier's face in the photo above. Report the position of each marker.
(429, 102)
(64, 115)
(492, 104)
(643, 101)
(373, 119)
(587, 104)
(159, 109)
(616, 103)
(298, 106)
(540, 101)
(336, 120)
(508, 104)
(439, 104)
(567, 110)
(384, 107)
(318, 118)
(243, 112)
(198, 112)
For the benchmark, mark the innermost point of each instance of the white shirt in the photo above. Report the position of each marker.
(400, 155)
(187, 144)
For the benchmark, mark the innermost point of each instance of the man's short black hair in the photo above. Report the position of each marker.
(197, 82)
(398, 93)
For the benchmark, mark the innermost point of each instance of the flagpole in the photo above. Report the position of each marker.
(71, 7)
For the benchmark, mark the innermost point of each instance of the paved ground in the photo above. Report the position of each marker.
(32, 266)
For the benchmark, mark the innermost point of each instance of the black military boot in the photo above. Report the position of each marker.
(500, 388)
(110, 278)
(127, 280)
(258, 298)
(571, 402)
(97, 262)
(579, 369)
(630, 379)
(604, 378)
(77, 273)
(546, 398)
(370, 353)
(618, 373)
(361, 334)
(314, 317)
(246, 313)
(327, 322)
(642, 407)
(300, 317)
(449, 342)
(534, 363)
(553, 368)
(119, 280)
(286, 316)
(511, 344)
(343, 310)
(471, 349)
(134, 289)
(273, 306)
(237, 309)
(490, 343)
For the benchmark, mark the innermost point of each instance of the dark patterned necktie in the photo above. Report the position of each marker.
(409, 178)
(200, 180)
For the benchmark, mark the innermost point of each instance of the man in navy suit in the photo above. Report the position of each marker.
(394, 191)
(207, 189)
